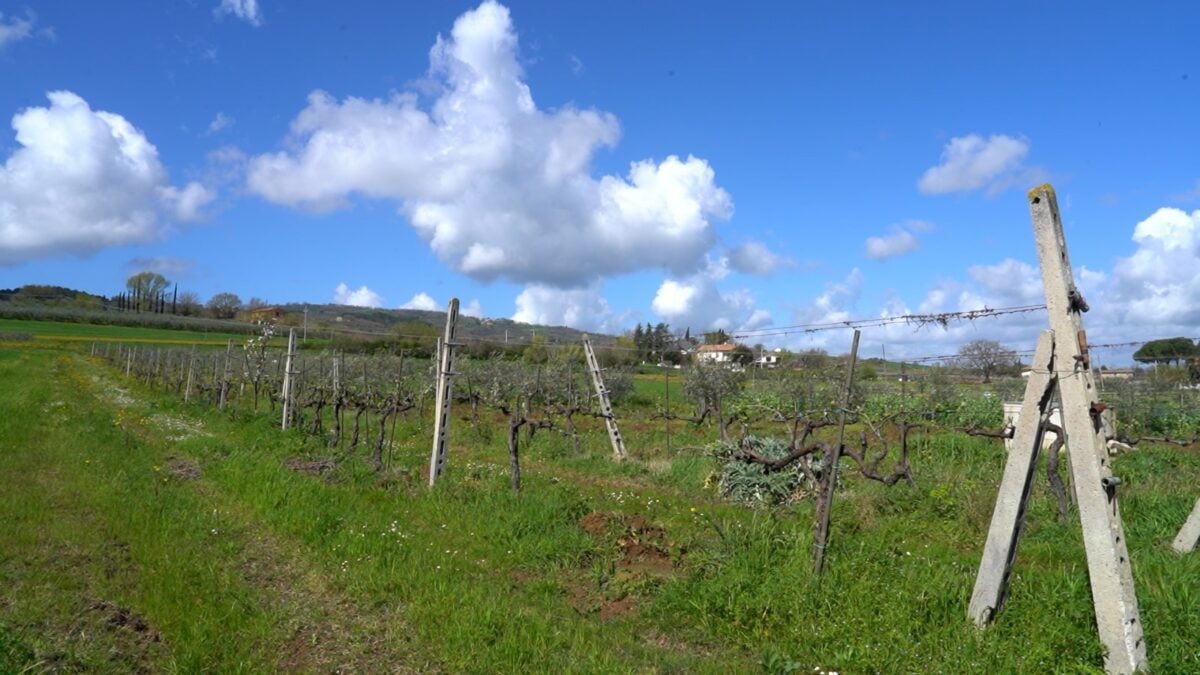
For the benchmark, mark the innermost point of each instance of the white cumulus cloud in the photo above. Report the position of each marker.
(498, 187)
(899, 242)
(1160, 282)
(246, 10)
(422, 301)
(755, 258)
(582, 308)
(697, 303)
(972, 162)
(472, 308)
(357, 297)
(81, 180)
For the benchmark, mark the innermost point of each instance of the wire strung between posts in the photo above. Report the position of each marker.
(942, 319)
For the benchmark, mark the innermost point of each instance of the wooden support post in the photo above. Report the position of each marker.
(1186, 540)
(288, 379)
(610, 419)
(829, 479)
(225, 377)
(187, 391)
(441, 423)
(1004, 534)
(1109, 571)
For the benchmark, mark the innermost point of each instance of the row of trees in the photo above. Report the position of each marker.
(147, 291)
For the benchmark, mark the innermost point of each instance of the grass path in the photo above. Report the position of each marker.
(120, 556)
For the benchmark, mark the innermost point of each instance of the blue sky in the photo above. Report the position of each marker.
(599, 164)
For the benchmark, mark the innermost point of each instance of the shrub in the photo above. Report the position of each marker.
(751, 484)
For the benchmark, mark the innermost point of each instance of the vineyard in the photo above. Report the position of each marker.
(694, 553)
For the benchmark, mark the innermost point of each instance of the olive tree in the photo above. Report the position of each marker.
(986, 356)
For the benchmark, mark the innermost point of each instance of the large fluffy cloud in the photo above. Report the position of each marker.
(499, 188)
(1160, 282)
(972, 162)
(82, 180)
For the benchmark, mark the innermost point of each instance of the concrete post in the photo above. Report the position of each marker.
(1004, 534)
(1109, 569)
(1186, 540)
(441, 423)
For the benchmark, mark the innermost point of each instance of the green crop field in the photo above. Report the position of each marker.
(87, 332)
(142, 534)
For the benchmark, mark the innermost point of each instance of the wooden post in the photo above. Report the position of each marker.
(667, 417)
(187, 392)
(1109, 571)
(225, 377)
(441, 423)
(610, 419)
(829, 479)
(1185, 541)
(288, 379)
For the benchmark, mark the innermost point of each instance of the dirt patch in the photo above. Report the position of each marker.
(608, 603)
(617, 608)
(313, 467)
(640, 543)
(594, 523)
(123, 617)
(183, 468)
(644, 545)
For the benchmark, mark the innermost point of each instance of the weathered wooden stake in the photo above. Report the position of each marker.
(288, 379)
(187, 392)
(1109, 570)
(441, 423)
(225, 377)
(610, 419)
(1190, 533)
(829, 479)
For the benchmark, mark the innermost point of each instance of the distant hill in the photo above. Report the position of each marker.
(58, 303)
(386, 322)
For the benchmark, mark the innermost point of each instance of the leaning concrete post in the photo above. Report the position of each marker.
(441, 423)
(1186, 541)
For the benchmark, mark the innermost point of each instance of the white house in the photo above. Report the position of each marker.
(722, 353)
(770, 359)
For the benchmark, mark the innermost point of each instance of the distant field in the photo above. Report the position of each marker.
(64, 331)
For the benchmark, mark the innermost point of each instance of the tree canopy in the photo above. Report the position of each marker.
(146, 287)
(986, 356)
(1166, 350)
(224, 305)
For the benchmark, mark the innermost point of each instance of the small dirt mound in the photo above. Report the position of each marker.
(594, 523)
(183, 468)
(314, 467)
(123, 617)
(643, 541)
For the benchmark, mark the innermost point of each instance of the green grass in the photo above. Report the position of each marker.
(140, 533)
(66, 331)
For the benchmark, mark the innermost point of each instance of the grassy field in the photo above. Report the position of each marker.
(141, 534)
(62, 331)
